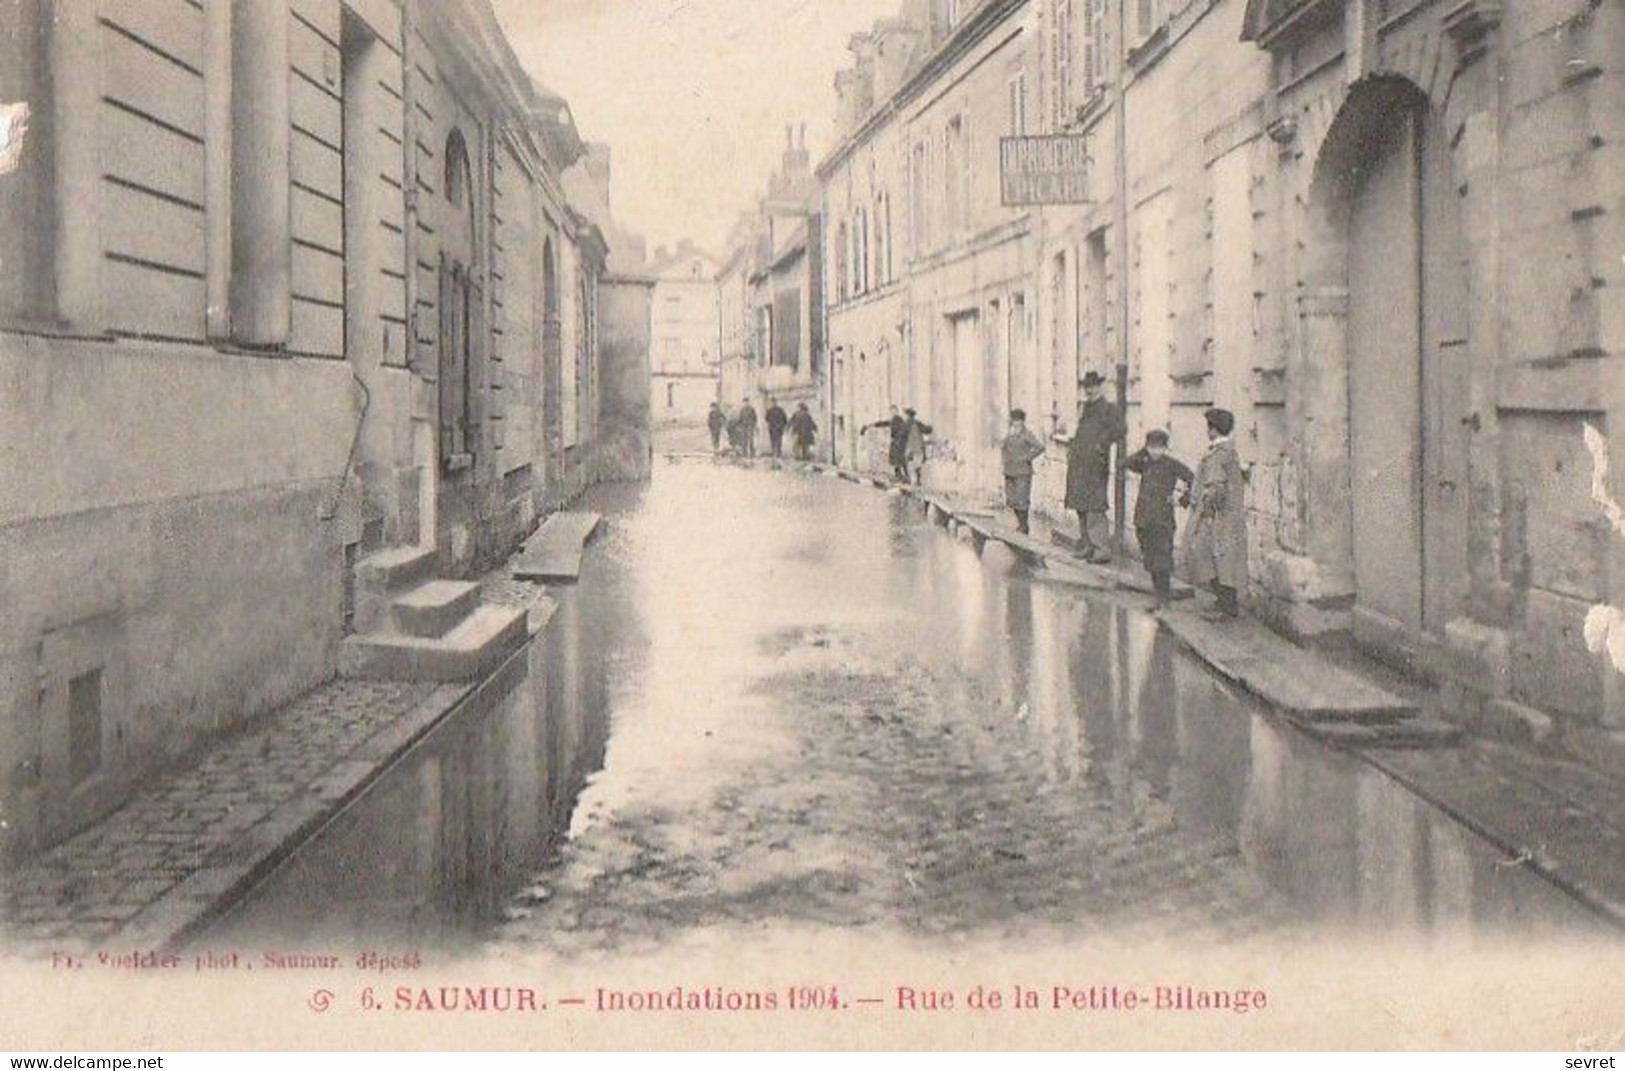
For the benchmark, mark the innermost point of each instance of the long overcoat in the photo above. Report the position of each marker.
(1216, 548)
(1089, 457)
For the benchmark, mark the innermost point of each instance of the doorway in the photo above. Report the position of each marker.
(1408, 371)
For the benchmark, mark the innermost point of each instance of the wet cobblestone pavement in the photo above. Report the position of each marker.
(885, 799)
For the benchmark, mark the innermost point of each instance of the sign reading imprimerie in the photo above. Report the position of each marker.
(1047, 170)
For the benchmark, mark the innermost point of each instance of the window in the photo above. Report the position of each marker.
(671, 396)
(860, 253)
(1060, 62)
(84, 725)
(917, 191)
(843, 259)
(1016, 120)
(1094, 46)
(882, 241)
(455, 159)
(956, 176)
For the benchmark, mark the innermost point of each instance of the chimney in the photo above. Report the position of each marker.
(862, 46)
(847, 105)
(795, 161)
(895, 42)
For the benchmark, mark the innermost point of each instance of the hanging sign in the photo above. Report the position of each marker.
(1050, 169)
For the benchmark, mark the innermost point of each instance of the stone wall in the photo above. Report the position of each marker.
(172, 537)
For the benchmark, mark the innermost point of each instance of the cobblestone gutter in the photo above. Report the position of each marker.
(160, 869)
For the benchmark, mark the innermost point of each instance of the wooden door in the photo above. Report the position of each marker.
(1446, 388)
(1385, 414)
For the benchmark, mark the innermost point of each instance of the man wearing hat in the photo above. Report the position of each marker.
(747, 428)
(1216, 551)
(1017, 451)
(1089, 468)
(914, 445)
(897, 449)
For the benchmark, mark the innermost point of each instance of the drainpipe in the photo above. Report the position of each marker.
(1120, 226)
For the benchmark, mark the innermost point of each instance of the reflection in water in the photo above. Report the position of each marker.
(432, 850)
(659, 689)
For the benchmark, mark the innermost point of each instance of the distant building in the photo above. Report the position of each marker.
(929, 280)
(684, 359)
(287, 287)
(771, 291)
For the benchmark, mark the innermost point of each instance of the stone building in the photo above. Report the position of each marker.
(683, 333)
(929, 277)
(623, 444)
(1378, 230)
(770, 293)
(289, 287)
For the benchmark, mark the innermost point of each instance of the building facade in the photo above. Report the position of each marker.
(774, 263)
(287, 283)
(929, 276)
(1375, 229)
(684, 335)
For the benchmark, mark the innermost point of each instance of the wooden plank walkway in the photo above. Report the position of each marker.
(554, 552)
(1297, 681)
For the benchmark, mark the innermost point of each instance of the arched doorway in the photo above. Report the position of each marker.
(1389, 237)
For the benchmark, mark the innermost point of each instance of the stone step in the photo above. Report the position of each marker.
(434, 608)
(472, 649)
(395, 569)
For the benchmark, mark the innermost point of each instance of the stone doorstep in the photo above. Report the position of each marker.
(468, 651)
(435, 607)
(395, 569)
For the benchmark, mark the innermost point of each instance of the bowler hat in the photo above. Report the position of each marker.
(1018, 414)
(1093, 379)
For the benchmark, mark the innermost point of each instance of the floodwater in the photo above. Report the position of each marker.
(779, 700)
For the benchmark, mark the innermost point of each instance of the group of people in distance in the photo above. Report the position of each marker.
(1215, 547)
(741, 429)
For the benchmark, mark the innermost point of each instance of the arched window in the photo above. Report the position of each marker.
(458, 178)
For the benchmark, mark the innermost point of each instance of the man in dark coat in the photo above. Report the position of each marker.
(747, 429)
(1089, 468)
(1160, 475)
(1017, 451)
(897, 449)
(804, 429)
(776, 419)
(716, 421)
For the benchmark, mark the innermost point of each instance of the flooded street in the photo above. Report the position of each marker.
(778, 701)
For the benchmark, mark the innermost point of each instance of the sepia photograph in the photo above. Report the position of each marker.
(807, 525)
